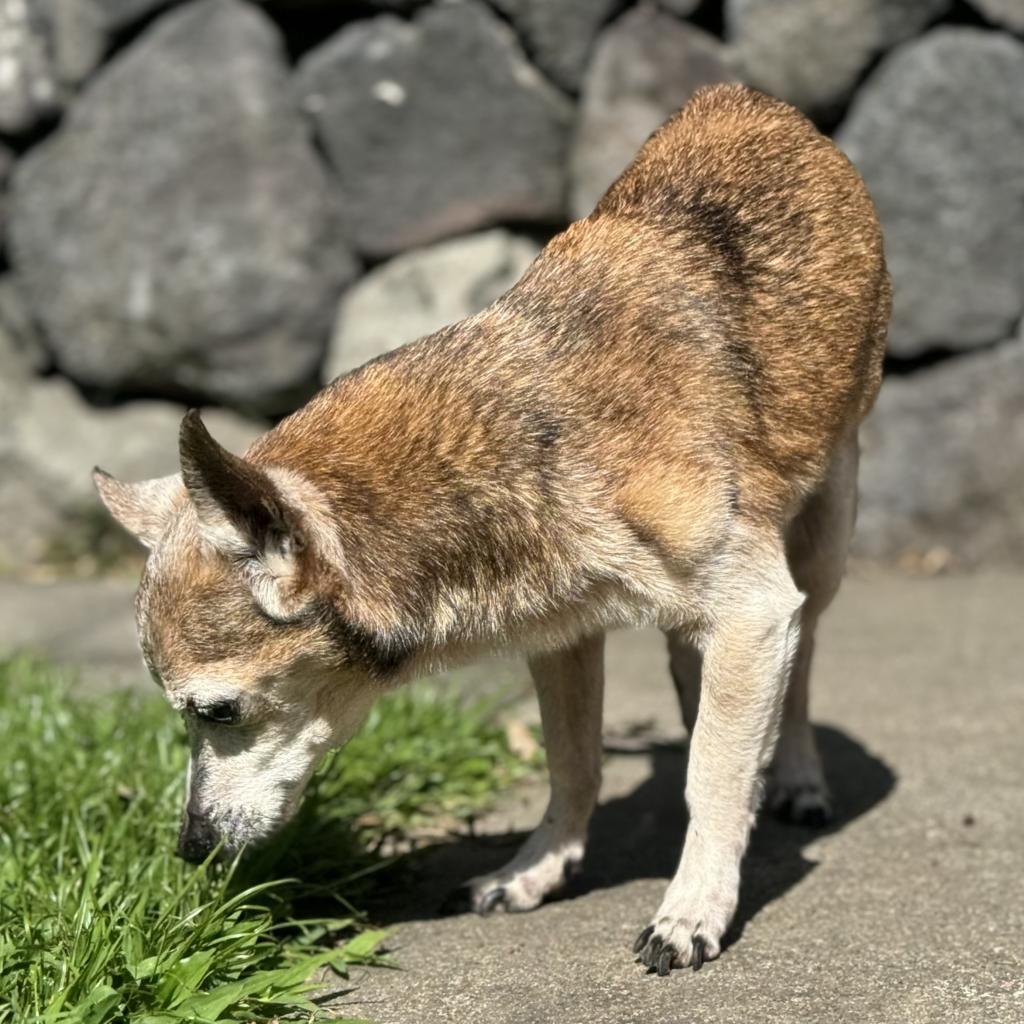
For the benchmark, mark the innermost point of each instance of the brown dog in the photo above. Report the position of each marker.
(656, 425)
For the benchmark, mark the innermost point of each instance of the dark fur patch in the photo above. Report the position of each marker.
(379, 655)
(719, 225)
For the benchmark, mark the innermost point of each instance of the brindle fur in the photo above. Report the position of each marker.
(639, 432)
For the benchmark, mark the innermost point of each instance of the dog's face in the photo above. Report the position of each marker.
(235, 628)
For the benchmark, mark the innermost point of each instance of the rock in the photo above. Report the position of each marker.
(422, 291)
(28, 88)
(19, 334)
(558, 36)
(78, 38)
(49, 441)
(177, 234)
(942, 466)
(646, 66)
(1009, 13)
(936, 131)
(812, 52)
(119, 14)
(680, 8)
(435, 126)
(6, 162)
(79, 32)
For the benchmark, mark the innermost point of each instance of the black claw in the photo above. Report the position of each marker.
(697, 957)
(492, 900)
(668, 954)
(641, 939)
(652, 951)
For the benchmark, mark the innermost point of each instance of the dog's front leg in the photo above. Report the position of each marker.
(747, 650)
(570, 688)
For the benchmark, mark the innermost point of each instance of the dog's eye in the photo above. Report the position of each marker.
(224, 712)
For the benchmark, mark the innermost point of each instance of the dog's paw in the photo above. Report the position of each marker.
(675, 943)
(801, 803)
(688, 928)
(519, 886)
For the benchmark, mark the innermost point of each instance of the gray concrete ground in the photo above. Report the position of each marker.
(909, 908)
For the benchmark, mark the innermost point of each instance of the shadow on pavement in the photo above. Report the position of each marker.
(640, 835)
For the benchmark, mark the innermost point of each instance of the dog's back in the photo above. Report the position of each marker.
(694, 349)
(730, 287)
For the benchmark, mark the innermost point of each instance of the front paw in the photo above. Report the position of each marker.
(519, 887)
(675, 943)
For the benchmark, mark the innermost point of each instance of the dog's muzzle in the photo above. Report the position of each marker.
(197, 837)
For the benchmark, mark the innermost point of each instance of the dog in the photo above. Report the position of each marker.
(657, 425)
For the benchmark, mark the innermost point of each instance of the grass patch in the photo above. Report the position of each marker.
(99, 922)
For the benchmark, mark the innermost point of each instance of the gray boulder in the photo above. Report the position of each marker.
(558, 36)
(646, 66)
(118, 14)
(1009, 13)
(435, 126)
(422, 291)
(49, 441)
(19, 335)
(812, 52)
(177, 235)
(943, 462)
(79, 32)
(28, 88)
(937, 133)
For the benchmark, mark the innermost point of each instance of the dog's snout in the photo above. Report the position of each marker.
(197, 838)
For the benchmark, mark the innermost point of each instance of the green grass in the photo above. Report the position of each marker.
(100, 922)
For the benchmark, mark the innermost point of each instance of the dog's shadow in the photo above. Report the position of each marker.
(640, 836)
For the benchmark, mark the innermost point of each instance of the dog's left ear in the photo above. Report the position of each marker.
(143, 508)
(243, 513)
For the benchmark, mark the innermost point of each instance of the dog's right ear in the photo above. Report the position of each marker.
(143, 508)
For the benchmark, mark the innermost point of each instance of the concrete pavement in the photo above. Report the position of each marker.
(909, 908)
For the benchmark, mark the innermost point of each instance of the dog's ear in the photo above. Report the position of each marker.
(243, 513)
(143, 508)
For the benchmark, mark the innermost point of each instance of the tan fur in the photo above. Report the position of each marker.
(623, 438)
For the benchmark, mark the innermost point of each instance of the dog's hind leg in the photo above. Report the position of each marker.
(816, 544)
(685, 665)
(570, 689)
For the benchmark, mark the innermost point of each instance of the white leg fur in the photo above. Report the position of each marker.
(747, 653)
(570, 689)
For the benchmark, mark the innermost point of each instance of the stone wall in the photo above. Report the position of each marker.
(226, 202)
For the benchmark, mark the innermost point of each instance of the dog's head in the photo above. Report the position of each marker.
(238, 625)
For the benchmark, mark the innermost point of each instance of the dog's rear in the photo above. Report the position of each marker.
(657, 424)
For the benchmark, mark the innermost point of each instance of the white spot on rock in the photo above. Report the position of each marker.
(389, 92)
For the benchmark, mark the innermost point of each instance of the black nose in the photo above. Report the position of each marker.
(197, 837)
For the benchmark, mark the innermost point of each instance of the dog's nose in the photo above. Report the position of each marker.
(197, 837)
